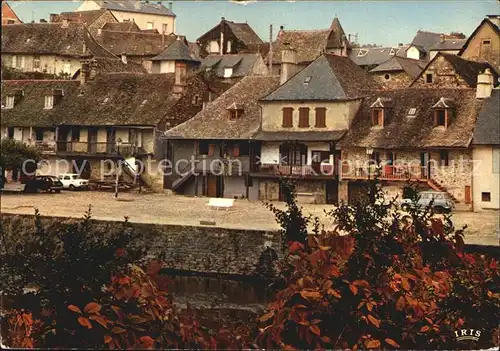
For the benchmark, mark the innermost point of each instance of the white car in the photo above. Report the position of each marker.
(73, 181)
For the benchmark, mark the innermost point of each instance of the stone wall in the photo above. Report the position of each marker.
(444, 76)
(309, 191)
(393, 80)
(186, 248)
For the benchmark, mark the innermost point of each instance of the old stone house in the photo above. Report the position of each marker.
(8, 15)
(212, 154)
(177, 52)
(484, 43)
(449, 46)
(370, 57)
(397, 72)
(416, 134)
(145, 14)
(302, 122)
(52, 48)
(233, 67)
(451, 71)
(229, 37)
(309, 44)
(93, 20)
(425, 44)
(486, 155)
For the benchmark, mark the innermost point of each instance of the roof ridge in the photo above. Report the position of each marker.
(307, 30)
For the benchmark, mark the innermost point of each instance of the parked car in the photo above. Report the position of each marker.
(73, 181)
(42, 183)
(441, 201)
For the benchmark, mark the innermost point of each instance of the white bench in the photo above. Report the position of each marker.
(217, 203)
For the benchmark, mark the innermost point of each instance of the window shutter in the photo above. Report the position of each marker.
(287, 117)
(304, 117)
(320, 117)
(236, 150)
(211, 150)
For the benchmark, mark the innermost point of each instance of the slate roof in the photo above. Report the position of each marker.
(244, 33)
(134, 43)
(242, 64)
(86, 17)
(337, 36)
(51, 38)
(466, 69)
(396, 63)
(425, 41)
(401, 131)
(135, 6)
(213, 121)
(309, 44)
(448, 44)
(133, 99)
(29, 110)
(177, 51)
(127, 26)
(331, 78)
(487, 131)
(333, 135)
(375, 56)
(105, 65)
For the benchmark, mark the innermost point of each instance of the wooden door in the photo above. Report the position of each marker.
(468, 197)
(211, 186)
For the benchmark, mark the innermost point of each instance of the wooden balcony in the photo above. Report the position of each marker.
(386, 172)
(45, 147)
(316, 170)
(98, 148)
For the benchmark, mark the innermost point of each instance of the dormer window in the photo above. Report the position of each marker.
(228, 72)
(235, 111)
(362, 52)
(443, 111)
(105, 100)
(9, 101)
(378, 111)
(377, 117)
(49, 102)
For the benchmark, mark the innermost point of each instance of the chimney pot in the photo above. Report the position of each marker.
(288, 63)
(170, 6)
(223, 18)
(484, 84)
(282, 27)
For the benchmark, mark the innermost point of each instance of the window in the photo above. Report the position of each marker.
(412, 112)
(67, 68)
(362, 53)
(164, 28)
(307, 80)
(440, 118)
(203, 147)
(387, 76)
(287, 117)
(377, 117)
(14, 61)
(444, 157)
(211, 149)
(38, 134)
(485, 196)
(195, 100)
(428, 78)
(149, 25)
(49, 102)
(36, 62)
(11, 22)
(228, 50)
(75, 134)
(214, 47)
(303, 117)
(293, 154)
(486, 42)
(233, 115)
(9, 101)
(320, 117)
(236, 150)
(228, 72)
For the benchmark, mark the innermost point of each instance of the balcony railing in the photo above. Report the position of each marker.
(324, 169)
(83, 147)
(44, 146)
(386, 172)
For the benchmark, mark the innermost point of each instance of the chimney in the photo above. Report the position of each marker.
(441, 38)
(84, 48)
(53, 17)
(484, 84)
(288, 63)
(124, 58)
(400, 44)
(65, 23)
(88, 71)
(270, 55)
(137, 4)
(170, 6)
(180, 77)
(43, 20)
(221, 43)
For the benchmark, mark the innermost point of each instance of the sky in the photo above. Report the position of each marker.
(375, 22)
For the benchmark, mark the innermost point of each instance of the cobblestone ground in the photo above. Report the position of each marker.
(483, 227)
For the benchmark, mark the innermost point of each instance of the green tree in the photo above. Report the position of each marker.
(14, 153)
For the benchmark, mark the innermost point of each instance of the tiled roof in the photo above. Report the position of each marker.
(51, 38)
(329, 77)
(449, 44)
(86, 17)
(127, 26)
(134, 43)
(487, 131)
(105, 65)
(241, 64)
(309, 43)
(396, 63)
(333, 135)
(337, 37)
(177, 51)
(135, 6)
(244, 33)
(375, 56)
(401, 131)
(213, 121)
(29, 110)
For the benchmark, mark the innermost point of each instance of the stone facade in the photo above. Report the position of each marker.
(393, 80)
(443, 76)
(484, 45)
(106, 17)
(308, 191)
(194, 249)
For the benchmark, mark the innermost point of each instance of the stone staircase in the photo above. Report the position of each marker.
(438, 187)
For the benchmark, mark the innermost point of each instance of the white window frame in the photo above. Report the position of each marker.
(9, 101)
(228, 72)
(49, 102)
(150, 25)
